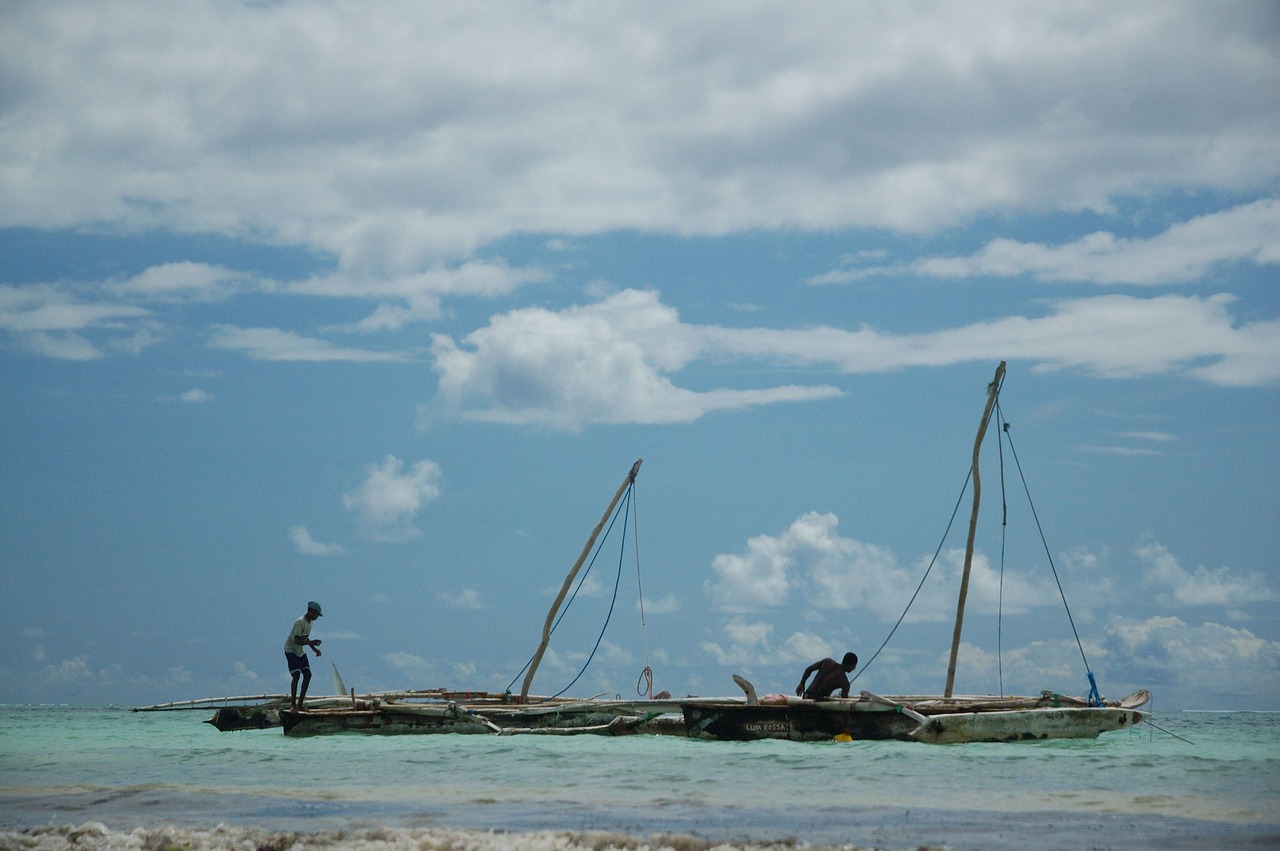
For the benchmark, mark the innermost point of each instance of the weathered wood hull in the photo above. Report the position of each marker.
(1026, 725)
(612, 718)
(231, 718)
(808, 721)
(921, 718)
(384, 721)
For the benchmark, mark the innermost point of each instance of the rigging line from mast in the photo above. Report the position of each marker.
(583, 580)
(1004, 534)
(564, 609)
(945, 534)
(532, 665)
(646, 675)
(1013, 450)
(625, 510)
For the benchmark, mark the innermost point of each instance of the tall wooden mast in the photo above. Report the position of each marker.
(568, 580)
(993, 390)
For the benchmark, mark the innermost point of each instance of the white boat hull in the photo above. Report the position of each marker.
(1021, 725)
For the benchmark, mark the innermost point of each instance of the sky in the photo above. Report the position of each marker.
(377, 303)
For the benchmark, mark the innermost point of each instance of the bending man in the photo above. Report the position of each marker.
(831, 675)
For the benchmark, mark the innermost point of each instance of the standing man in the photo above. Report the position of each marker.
(832, 675)
(295, 647)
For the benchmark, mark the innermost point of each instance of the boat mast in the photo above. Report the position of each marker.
(993, 390)
(568, 580)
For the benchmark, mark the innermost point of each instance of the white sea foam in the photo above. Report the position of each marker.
(95, 836)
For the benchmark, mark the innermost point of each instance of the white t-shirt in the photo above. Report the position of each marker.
(301, 632)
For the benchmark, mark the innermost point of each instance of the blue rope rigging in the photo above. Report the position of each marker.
(916, 593)
(623, 511)
(617, 581)
(1004, 528)
(1095, 699)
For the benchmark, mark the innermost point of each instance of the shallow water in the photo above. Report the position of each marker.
(1140, 788)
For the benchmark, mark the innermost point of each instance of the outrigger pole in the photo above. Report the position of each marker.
(993, 390)
(568, 581)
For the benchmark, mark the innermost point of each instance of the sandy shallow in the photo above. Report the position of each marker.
(954, 836)
(95, 836)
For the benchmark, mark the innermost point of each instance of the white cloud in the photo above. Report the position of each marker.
(1201, 586)
(754, 579)
(244, 673)
(416, 667)
(196, 396)
(55, 322)
(1186, 251)
(391, 495)
(416, 297)
(464, 598)
(1112, 336)
(426, 130)
(46, 308)
(830, 571)
(280, 345)
(602, 363)
(185, 281)
(1209, 665)
(748, 644)
(1155, 436)
(1121, 450)
(60, 346)
(612, 361)
(68, 672)
(667, 604)
(308, 545)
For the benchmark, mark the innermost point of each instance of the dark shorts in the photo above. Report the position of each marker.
(297, 662)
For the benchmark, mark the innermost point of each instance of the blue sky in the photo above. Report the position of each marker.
(377, 303)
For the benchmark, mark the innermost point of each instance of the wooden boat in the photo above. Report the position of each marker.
(436, 711)
(439, 711)
(444, 711)
(556, 717)
(930, 719)
(387, 719)
(795, 719)
(265, 711)
(1041, 722)
(944, 719)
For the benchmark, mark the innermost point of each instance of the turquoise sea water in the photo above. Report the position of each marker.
(1142, 788)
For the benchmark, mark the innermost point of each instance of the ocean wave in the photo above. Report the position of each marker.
(95, 836)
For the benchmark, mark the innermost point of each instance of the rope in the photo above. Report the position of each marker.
(932, 561)
(1004, 529)
(647, 674)
(1094, 698)
(646, 677)
(626, 506)
(581, 581)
